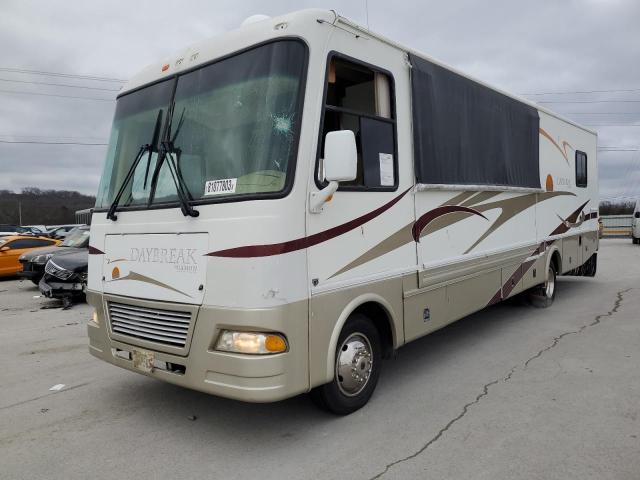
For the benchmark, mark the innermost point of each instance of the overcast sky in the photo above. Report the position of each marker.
(521, 46)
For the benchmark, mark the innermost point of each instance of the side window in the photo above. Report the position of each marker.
(581, 169)
(42, 243)
(360, 99)
(16, 244)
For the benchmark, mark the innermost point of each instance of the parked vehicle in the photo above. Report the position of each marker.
(61, 231)
(19, 230)
(65, 276)
(13, 246)
(635, 224)
(33, 262)
(282, 207)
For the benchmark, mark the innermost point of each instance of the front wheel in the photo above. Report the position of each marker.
(357, 368)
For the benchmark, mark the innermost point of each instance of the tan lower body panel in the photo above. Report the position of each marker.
(251, 378)
(435, 298)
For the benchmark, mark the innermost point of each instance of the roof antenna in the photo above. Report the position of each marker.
(366, 8)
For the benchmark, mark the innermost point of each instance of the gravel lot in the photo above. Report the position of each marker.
(510, 392)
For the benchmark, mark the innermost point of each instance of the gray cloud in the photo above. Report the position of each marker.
(523, 47)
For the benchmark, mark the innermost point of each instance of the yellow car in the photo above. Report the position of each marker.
(11, 247)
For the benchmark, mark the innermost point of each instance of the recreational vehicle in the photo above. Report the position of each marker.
(284, 206)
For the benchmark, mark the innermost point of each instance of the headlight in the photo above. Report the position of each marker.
(42, 258)
(94, 317)
(251, 342)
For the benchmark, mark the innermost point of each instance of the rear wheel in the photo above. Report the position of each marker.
(544, 295)
(357, 368)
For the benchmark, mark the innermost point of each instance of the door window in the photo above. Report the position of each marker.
(360, 99)
(581, 169)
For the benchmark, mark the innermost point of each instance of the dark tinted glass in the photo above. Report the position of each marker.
(581, 169)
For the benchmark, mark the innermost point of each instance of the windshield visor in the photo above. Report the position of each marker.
(230, 129)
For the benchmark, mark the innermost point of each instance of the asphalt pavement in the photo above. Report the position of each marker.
(510, 392)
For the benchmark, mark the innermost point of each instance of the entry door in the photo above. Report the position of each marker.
(364, 233)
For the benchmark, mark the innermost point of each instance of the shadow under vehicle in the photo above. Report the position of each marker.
(33, 263)
(65, 276)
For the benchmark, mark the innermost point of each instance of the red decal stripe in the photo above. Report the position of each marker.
(431, 215)
(95, 251)
(250, 251)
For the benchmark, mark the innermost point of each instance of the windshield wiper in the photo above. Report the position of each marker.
(184, 196)
(167, 151)
(111, 214)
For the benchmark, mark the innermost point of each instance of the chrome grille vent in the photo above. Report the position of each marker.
(56, 271)
(169, 327)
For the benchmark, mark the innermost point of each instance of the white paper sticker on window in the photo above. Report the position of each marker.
(386, 169)
(220, 187)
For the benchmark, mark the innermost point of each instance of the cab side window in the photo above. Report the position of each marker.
(581, 169)
(360, 99)
(28, 243)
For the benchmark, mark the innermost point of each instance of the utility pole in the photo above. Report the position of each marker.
(19, 212)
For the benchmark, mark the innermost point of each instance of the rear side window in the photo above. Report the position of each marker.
(29, 243)
(360, 98)
(581, 169)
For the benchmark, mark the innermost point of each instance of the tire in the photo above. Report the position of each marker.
(543, 295)
(359, 349)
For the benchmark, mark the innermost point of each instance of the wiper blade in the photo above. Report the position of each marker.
(111, 214)
(184, 196)
(167, 150)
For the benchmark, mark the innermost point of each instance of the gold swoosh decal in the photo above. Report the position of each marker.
(562, 150)
(144, 279)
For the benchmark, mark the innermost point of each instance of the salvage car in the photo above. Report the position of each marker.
(6, 229)
(33, 262)
(13, 246)
(65, 276)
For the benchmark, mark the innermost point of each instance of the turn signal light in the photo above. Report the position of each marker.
(253, 343)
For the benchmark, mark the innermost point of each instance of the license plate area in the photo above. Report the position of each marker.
(143, 360)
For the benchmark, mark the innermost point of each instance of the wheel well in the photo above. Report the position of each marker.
(382, 321)
(556, 261)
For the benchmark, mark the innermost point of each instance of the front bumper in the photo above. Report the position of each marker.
(53, 288)
(250, 378)
(31, 271)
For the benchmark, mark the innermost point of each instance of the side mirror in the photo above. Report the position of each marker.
(340, 165)
(340, 156)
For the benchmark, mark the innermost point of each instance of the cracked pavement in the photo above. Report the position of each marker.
(510, 392)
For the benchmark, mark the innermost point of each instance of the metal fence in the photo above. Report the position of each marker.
(84, 216)
(616, 225)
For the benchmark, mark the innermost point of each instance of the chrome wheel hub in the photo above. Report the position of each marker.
(550, 285)
(354, 364)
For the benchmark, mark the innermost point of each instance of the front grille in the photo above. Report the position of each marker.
(169, 327)
(56, 271)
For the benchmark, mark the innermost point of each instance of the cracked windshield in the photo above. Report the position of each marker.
(230, 130)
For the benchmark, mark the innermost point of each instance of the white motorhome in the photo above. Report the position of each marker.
(635, 224)
(286, 205)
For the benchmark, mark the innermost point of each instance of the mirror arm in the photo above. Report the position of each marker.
(318, 199)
